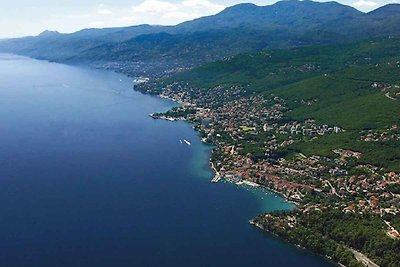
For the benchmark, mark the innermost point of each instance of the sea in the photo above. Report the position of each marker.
(87, 178)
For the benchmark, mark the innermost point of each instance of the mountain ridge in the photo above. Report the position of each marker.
(237, 29)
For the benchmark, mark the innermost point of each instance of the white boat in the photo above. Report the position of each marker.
(251, 183)
(180, 141)
(187, 142)
(140, 80)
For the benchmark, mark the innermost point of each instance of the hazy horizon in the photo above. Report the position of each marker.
(24, 18)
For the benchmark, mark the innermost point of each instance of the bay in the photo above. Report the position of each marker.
(87, 178)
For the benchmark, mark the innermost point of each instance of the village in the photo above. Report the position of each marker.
(249, 134)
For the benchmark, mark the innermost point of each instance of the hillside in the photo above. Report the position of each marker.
(59, 47)
(320, 125)
(360, 99)
(270, 69)
(248, 28)
(356, 87)
(237, 29)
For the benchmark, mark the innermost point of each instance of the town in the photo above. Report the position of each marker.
(251, 134)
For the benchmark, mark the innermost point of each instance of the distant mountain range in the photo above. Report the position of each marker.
(237, 29)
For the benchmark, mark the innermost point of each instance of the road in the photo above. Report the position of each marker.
(388, 96)
(363, 259)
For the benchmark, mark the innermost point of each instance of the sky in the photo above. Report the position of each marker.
(31, 17)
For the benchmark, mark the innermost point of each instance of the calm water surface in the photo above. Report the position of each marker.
(88, 179)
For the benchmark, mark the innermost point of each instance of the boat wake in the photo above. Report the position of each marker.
(185, 141)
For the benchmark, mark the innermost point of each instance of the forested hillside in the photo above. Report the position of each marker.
(161, 50)
(318, 124)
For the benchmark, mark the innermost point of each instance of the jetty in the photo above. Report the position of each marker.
(216, 178)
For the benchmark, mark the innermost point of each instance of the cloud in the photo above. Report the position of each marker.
(103, 10)
(200, 4)
(168, 13)
(97, 23)
(365, 4)
(181, 15)
(126, 20)
(154, 6)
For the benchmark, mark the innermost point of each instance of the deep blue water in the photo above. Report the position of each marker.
(88, 179)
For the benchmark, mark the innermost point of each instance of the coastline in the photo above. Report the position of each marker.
(166, 183)
(358, 255)
(239, 168)
(262, 228)
(217, 176)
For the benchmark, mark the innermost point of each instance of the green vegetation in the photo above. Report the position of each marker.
(272, 69)
(334, 85)
(317, 123)
(331, 232)
(321, 126)
(159, 50)
(346, 98)
(247, 128)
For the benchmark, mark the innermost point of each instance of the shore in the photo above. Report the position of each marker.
(217, 176)
(261, 227)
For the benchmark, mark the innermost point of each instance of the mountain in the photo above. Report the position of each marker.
(59, 47)
(237, 29)
(385, 11)
(241, 28)
(48, 33)
(293, 13)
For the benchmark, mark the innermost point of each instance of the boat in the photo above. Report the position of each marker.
(251, 183)
(187, 142)
(140, 80)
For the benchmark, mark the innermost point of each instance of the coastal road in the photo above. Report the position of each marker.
(388, 96)
(363, 259)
